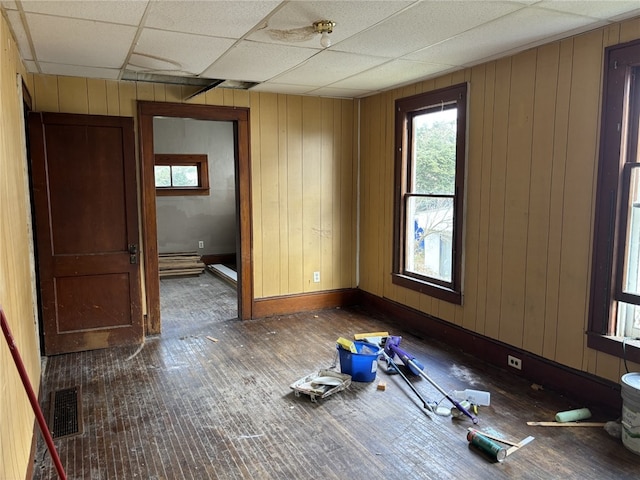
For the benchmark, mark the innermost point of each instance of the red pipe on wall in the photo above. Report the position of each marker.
(32, 396)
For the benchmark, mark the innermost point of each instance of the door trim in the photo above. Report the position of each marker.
(240, 119)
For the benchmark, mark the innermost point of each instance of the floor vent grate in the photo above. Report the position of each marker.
(65, 418)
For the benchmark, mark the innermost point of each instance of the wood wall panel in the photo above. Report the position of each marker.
(283, 190)
(295, 190)
(546, 76)
(97, 96)
(73, 95)
(498, 161)
(270, 199)
(516, 188)
(485, 194)
(472, 204)
(311, 190)
(533, 150)
(327, 182)
(579, 191)
(17, 288)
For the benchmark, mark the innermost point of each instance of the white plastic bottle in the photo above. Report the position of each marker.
(475, 397)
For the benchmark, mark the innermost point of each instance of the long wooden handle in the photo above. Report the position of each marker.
(566, 424)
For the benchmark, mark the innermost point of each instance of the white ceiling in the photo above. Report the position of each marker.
(376, 45)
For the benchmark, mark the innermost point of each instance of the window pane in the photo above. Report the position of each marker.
(163, 175)
(628, 321)
(184, 175)
(631, 283)
(434, 152)
(429, 237)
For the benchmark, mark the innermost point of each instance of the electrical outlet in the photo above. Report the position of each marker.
(316, 277)
(514, 362)
(200, 244)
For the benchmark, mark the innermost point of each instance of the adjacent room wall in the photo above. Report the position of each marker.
(17, 297)
(532, 154)
(185, 220)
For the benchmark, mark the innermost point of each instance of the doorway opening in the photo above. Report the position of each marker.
(235, 120)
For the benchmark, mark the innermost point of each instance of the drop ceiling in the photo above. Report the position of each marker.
(375, 45)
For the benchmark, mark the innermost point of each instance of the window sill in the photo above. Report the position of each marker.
(179, 192)
(430, 289)
(613, 346)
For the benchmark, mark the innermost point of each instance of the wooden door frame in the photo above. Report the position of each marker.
(240, 119)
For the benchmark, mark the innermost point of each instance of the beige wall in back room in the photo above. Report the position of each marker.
(533, 130)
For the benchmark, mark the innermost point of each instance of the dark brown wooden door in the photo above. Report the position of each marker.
(86, 215)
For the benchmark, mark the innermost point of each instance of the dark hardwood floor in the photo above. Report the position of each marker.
(187, 407)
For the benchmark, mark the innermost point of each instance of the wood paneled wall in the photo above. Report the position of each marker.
(304, 169)
(534, 123)
(17, 294)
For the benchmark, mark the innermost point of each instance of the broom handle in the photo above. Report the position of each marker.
(393, 364)
(473, 418)
(32, 396)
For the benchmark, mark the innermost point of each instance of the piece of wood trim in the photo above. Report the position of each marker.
(566, 424)
(305, 302)
(223, 258)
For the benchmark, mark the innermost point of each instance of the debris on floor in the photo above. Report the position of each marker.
(321, 384)
(489, 444)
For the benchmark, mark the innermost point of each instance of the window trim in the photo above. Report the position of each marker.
(184, 159)
(618, 61)
(406, 108)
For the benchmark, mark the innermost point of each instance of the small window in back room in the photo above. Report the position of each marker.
(181, 174)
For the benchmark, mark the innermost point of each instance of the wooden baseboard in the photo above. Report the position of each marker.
(585, 388)
(304, 302)
(223, 258)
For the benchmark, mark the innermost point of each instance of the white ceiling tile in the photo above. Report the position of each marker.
(79, 42)
(191, 53)
(350, 17)
(601, 9)
(231, 19)
(519, 29)
(341, 92)
(148, 63)
(424, 24)
(21, 35)
(394, 73)
(76, 71)
(257, 62)
(9, 4)
(328, 67)
(111, 11)
(281, 88)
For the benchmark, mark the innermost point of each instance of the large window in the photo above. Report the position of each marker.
(430, 161)
(615, 286)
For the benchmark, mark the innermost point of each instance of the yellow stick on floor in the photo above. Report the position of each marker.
(566, 424)
(360, 336)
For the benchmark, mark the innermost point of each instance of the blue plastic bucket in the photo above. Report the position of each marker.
(362, 366)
